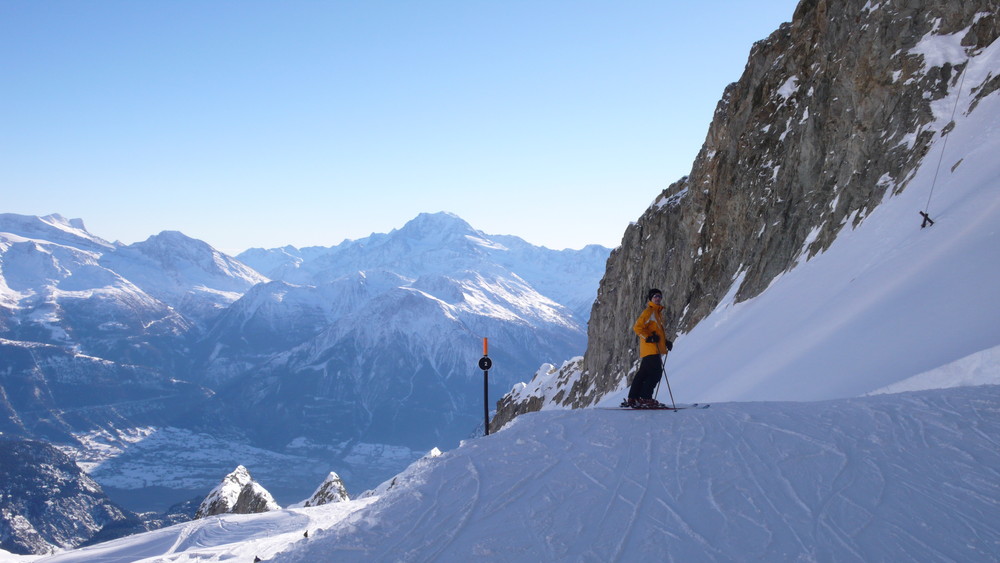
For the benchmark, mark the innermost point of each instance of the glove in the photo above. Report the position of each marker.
(653, 338)
(670, 345)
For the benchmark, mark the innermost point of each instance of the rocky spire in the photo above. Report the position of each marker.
(332, 490)
(238, 493)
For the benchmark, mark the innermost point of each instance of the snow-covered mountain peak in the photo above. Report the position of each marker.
(42, 254)
(238, 493)
(176, 251)
(74, 226)
(41, 264)
(436, 245)
(54, 229)
(185, 273)
(331, 490)
(428, 225)
(434, 229)
(428, 244)
(175, 241)
(273, 262)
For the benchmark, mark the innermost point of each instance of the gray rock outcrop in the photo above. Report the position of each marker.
(47, 502)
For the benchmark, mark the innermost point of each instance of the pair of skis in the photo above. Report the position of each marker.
(662, 407)
(624, 407)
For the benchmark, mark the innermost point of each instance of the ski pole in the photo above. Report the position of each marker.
(663, 371)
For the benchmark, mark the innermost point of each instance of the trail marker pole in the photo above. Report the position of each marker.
(485, 363)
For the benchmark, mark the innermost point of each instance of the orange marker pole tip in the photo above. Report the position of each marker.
(486, 347)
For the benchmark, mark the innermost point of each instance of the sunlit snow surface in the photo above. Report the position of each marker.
(239, 537)
(901, 477)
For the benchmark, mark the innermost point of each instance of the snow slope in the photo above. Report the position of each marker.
(218, 538)
(888, 300)
(898, 477)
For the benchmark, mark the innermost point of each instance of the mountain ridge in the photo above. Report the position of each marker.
(395, 251)
(195, 336)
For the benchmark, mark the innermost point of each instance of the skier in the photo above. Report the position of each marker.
(653, 344)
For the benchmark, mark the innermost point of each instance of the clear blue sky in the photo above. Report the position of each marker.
(260, 124)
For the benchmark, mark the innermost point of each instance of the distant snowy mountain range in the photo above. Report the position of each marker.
(380, 333)
(354, 358)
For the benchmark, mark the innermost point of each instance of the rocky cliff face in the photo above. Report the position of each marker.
(833, 113)
(47, 502)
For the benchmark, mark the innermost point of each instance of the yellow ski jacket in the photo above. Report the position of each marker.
(650, 322)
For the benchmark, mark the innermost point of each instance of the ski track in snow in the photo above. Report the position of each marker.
(238, 537)
(900, 477)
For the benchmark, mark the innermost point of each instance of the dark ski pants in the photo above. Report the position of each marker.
(644, 383)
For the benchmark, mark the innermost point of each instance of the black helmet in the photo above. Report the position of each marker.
(652, 292)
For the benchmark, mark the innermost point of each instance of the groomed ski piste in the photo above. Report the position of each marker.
(896, 477)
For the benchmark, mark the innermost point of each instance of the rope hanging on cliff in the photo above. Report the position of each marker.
(927, 222)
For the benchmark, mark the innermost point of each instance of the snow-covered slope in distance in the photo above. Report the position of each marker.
(54, 228)
(186, 273)
(137, 304)
(890, 478)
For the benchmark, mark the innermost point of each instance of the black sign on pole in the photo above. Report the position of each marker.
(485, 363)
